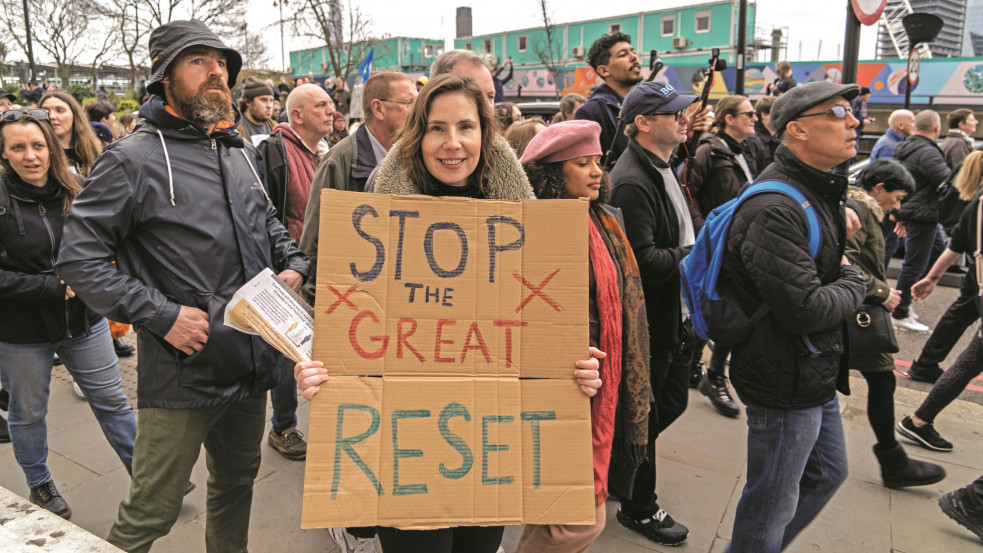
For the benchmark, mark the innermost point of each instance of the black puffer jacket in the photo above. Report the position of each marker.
(32, 296)
(761, 148)
(925, 161)
(653, 232)
(187, 218)
(793, 357)
(714, 176)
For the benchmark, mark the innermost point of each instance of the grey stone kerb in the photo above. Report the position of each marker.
(25, 527)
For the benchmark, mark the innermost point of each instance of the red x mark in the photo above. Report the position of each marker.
(342, 299)
(538, 291)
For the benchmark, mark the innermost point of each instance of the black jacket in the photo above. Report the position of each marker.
(714, 176)
(273, 162)
(604, 106)
(761, 148)
(32, 296)
(653, 232)
(193, 239)
(793, 356)
(925, 162)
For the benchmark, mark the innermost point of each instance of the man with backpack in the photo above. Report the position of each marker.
(787, 369)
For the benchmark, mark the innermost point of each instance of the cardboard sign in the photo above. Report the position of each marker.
(454, 326)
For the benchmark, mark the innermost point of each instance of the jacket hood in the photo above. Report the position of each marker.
(155, 111)
(912, 144)
(861, 196)
(507, 182)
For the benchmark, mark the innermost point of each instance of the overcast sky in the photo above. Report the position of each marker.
(809, 23)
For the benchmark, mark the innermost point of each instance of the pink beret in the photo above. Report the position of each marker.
(563, 141)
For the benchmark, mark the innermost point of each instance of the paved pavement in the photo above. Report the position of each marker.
(701, 475)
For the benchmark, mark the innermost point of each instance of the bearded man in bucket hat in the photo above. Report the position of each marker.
(788, 370)
(182, 209)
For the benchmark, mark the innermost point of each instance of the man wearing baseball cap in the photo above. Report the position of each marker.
(658, 224)
(787, 371)
(7, 100)
(181, 208)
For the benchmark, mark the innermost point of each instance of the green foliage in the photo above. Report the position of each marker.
(127, 106)
(81, 92)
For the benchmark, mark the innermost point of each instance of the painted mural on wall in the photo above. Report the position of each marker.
(948, 80)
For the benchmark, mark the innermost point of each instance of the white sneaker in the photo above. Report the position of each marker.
(913, 315)
(349, 543)
(78, 391)
(909, 323)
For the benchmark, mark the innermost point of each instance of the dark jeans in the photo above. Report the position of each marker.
(283, 397)
(462, 539)
(923, 243)
(670, 386)
(960, 315)
(796, 461)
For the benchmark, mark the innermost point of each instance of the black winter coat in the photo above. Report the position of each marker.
(653, 232)
(603, 107)
(761, 148)
(925, 161)
(32, 296)
(714, 176)
(193, 240)
(793, 357)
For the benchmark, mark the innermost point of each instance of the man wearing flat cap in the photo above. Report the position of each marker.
(256, 105)
(181, 208)
(660, 230)
(787, 371)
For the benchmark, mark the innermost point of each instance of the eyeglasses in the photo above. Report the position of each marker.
(750, 114)
(403, 102)
(675, 114)
(838, 112)
(12, 115)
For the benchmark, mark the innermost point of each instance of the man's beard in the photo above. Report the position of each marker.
(204, 108)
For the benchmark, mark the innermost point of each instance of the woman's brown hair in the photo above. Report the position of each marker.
(84, 140)
(415, 128)
(519, 134)
(57, 162)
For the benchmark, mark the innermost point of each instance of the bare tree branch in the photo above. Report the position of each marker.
(544, 48)
(342, 27)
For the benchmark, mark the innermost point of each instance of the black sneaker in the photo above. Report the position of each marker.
(925, 436)
(289, 443)
(715, 388)
(954, 505)
(47, 497)
(4, 433)
(922, 373)
(660, 527)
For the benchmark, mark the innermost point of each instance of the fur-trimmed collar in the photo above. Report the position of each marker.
(507, 182)
(861, 195)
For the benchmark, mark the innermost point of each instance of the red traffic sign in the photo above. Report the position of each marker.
(914, 65)
(868, 11)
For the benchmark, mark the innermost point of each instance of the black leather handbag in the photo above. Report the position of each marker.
(871, 331)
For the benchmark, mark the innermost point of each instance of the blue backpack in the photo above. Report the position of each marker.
(714, 316)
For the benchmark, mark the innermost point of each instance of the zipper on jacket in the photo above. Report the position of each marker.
(51, 238)
(214, 146)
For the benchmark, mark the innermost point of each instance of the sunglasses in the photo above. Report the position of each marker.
(749, 114)
(838, 112)
(12, 115)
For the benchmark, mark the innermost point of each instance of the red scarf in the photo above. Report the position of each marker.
(605, 403)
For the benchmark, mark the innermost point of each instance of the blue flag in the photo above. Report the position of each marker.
(366, 67)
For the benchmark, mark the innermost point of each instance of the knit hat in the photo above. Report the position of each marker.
(423, 80)
(796, 101)
(170, 39)
(102, 131)
(253, 87)
(563, 141)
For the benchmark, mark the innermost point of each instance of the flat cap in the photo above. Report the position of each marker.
(649, 96)
(796, 101)
(170, 39)
(563, 141)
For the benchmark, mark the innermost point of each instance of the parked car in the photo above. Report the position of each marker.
(543, 110)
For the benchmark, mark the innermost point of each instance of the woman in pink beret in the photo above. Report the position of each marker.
(564, 161)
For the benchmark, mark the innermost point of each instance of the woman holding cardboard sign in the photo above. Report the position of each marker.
(563, 161)
(449, 147)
